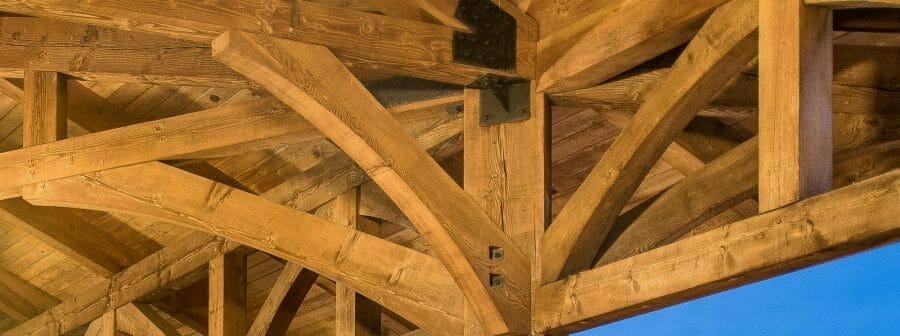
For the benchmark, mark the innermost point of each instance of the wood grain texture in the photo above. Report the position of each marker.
(228, 295)
(725, 44)
(407, 282)
(78, 239)
(167, 268)
(349, 115)
(44, 118)
(627, 33)
(22, 300)
(363, 39)
(106, 54)
(141, 319)
(841, 222)
(795, 72)
(103, 326)
(283, 301)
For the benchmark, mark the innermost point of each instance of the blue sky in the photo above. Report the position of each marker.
(856, 295)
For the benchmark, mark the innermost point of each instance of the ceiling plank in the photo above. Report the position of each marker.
(99, 53)
(795, 93)
(283, 301)
(167, 268)
(725, 44)
(141, 319)
(12, 90)
(228, 295)
(393, 45)
(848, 220)
(349, 115)
(71, 235)
(407, 282)
(21, 300)
(627, 33)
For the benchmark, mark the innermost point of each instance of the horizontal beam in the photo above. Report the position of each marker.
(99, 53)
(366, 40)
(848, 220)
(409, 283)
(170, 268)
(20, 299)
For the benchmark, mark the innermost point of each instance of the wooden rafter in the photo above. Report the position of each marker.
(725, 44)
(460, 232)
(142, 319)
(22, 300)
(408, 282)
(844, 221)
(283, 301)
(169, 268)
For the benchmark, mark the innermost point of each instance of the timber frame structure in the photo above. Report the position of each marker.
(431, 167)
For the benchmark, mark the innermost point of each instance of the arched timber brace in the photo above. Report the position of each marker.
(430, 167)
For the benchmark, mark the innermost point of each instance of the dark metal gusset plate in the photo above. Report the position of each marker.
(492, 43)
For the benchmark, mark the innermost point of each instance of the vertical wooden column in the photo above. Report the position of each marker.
(354, 314)
(795, 72)
(228, 295)
(507, 173)
(44, 119)
(103, 326)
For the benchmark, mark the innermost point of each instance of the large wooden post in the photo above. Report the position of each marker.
(795, 71)
(507, 173)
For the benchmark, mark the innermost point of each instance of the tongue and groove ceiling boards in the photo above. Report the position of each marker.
(430, 167)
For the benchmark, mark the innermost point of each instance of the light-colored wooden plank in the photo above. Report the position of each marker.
(167, 268)
(795, 83)
(228, 295)
(22, 300)
(845, 4)
(76, 238)
(460, 232)
(141, 319)
(839, 223)
(626, 33)
(44, 118)
(725, 44)
(412, 284)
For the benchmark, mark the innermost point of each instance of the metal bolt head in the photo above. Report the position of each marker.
(496, 280)
(496, 253)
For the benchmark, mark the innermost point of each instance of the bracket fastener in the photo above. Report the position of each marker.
(503, 99)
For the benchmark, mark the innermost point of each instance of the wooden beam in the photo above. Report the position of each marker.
(444, 11)
(626, 33)
(283, 301)
(461, 233)
(171, 267)
(44, 118)
(228, 295)
(368, 40)
(98, 53)
(103, 326)
(407, 282)
(21, 300)
(509, 180)
(843, 4)
(724, 45)
(848, 220)
(71, 235)
(141, 319)
(354, 313)
(795, 102)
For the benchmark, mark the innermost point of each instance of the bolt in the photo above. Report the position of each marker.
(496, 280)
(496, 253)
